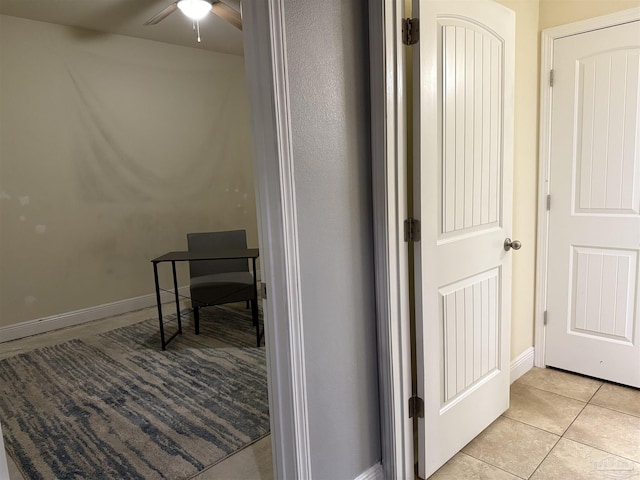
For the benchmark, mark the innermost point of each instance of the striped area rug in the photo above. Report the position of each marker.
(114, 406)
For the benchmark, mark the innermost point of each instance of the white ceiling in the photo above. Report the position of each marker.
(126, 17)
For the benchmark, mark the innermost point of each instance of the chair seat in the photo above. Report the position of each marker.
(219, 279)
(219, 288)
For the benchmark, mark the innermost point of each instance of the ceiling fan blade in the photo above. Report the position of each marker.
(157, 18)
(227, 13)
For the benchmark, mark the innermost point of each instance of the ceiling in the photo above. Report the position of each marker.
(126, 17)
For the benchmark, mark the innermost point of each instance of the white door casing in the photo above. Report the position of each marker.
(389, 180)
(463, 161)
(265, 62)
(594, 220)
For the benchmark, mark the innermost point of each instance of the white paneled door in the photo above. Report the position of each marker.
(464, 67)
(593, 324)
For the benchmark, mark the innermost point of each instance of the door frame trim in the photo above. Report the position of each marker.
(391, 252)
(267, 81)
(549, 35)
(265, 62)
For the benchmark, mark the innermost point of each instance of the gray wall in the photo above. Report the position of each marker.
(327, 57)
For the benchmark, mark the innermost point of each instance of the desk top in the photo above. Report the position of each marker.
(210, 255)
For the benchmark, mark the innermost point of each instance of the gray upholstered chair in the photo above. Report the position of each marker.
(216, 282)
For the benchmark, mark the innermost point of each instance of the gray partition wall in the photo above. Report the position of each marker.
(328, 76)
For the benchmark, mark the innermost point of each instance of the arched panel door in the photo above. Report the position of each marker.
(463, 198)
(593, 296)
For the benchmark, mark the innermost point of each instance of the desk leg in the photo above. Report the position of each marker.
(254, 305)
(175, 289)
(155, 275)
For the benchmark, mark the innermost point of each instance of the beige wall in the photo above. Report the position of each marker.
(111, 149)
(524, 172)
(532, 16)
(560, 12)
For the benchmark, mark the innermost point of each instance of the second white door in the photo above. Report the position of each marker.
(593, 307)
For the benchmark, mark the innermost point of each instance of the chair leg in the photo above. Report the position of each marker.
(196, 319)
(254, 312)
(248, 304)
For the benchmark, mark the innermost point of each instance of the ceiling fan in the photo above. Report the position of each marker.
(196, 10)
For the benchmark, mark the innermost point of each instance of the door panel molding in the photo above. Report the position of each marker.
(471, 326)
(546, 96)
(598, 274)
(476, 53)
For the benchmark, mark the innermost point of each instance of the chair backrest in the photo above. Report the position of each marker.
(202, 242)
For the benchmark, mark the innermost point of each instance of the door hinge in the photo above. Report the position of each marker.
(411, 230)
(410, 31)
(548, 202)
(551, 77)
(416, 407)
(544, 317)
(263, 290)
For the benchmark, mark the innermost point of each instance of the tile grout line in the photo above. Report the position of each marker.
(601, 406)
(601, 450)
(543, 430)
(492, 465)
(560, 394)
(563, 434)
(533, 426)
(545, 457)
(596, 392)
(586, 444)
(613, 410)
(580, 412)
(560, 437)
(587, 402)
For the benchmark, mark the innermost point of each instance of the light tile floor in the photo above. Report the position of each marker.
(560, 426)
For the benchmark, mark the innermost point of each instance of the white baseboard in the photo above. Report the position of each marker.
(522, 364)
(68, 319)
(374, 473)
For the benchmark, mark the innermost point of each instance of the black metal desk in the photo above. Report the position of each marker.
(185, 256)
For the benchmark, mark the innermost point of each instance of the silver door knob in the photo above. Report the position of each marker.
(515, 244)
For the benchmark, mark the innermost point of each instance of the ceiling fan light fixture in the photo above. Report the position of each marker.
(194, 9)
